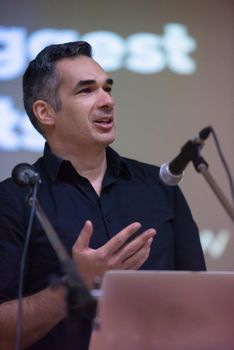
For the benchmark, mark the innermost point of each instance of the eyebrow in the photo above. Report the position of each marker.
(90, 81)
(81, 83)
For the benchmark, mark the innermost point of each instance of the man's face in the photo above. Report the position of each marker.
(86, 118)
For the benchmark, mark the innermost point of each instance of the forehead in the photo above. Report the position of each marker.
(79, 68)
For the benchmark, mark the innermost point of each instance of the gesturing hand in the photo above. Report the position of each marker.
(117, 253)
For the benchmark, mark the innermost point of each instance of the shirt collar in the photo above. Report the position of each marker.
(116, 165)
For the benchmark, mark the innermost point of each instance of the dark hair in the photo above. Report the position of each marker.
(41, 81)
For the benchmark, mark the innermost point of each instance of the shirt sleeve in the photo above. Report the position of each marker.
(12, 238)
(188, 249)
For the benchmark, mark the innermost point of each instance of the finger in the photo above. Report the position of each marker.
(84, 237)
(114, 244)
(134, 246)
(135, 261)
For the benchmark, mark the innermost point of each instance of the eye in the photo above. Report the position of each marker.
(85, 90)
(108, 89)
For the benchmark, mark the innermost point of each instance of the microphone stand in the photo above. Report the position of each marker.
(202, 167)
(80, 302)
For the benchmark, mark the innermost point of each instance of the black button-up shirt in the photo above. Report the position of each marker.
(131, 191)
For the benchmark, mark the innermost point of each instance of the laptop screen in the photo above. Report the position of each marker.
(149, 310)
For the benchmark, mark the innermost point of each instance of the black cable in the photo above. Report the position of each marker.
(224, 162)
(19, 319)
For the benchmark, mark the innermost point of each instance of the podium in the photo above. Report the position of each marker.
(149, 310)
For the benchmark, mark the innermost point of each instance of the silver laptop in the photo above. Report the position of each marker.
(149, 310)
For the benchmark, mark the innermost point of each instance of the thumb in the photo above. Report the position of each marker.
(85, 235)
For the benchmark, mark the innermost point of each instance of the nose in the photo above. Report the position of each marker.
(105, 100)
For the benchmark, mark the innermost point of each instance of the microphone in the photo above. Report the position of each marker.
(79, 299)
(25, 175)
(171, 173)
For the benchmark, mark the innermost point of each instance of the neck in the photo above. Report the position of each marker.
(92, 167)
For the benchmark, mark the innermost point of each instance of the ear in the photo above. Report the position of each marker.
(44, 112)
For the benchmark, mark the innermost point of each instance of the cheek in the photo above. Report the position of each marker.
(75, 116)
(79, 123)
(78, 111)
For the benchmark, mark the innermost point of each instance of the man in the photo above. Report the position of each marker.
(106, 209)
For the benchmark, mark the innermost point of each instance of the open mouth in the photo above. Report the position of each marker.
(104, 121)
(104, 124)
